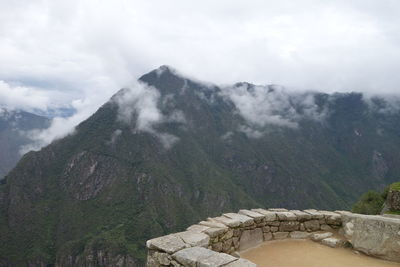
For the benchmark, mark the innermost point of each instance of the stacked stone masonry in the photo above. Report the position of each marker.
(216, 241)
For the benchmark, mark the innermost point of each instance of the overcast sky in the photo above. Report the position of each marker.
(80, 52)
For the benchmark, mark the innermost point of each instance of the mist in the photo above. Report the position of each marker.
(76, 54)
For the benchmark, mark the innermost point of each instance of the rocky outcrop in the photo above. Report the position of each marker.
(376, 236)
(393, 200)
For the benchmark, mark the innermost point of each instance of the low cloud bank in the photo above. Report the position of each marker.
(139, 107)
(272, 105)
(143, 108)
(59, 127)
(22, 97)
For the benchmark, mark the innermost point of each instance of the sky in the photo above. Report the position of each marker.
(78, 53)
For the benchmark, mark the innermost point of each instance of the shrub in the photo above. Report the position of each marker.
(369, 203)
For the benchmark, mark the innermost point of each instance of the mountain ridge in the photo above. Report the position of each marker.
(173, 151)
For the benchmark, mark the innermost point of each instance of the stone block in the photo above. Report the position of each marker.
(267, 236)
(289, 226)
(286, 216)
(227, 235)
(236, 242)
(251, 238)
(334, 220)
(266, 229)
(299, 235)
(197, 228)
(226, 245)
(168, 243)
(269, 215)
(237, 232)
(245, 220)
(312, 225)
(217, 247)
(241, 263)
(280, 235)
(219, 259)
(213, 224)
(274, 223)
(333, 242)
(227, 221)
(376, 236)
(301, 215)
(162, 258)
(314, 214)
(215, 232)
(192, 256)
(320, 236)
(261, 224)
(278, 210)
(258, 217)
(194, 239)
(274, 229)
(325, 227)
(348, 230)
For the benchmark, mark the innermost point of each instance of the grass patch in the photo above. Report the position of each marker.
(395, 186)
(393, 212)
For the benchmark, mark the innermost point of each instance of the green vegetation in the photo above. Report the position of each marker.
(372, 202)
(88, 193)
(393, 212)
(395, 186)
(369, 203)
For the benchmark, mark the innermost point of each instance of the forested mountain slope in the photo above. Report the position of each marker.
(173, 151)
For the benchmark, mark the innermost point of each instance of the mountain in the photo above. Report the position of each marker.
(14, 126)
(173, 151)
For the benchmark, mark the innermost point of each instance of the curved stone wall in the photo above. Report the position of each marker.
(215, 241)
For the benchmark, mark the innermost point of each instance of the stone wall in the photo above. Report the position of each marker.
(216, 241)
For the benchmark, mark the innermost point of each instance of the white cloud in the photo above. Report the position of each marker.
(260, 106)
(59, 126)
(87, 50)
(21, 97)
(114, 137)
(272, 105)
(138, 107)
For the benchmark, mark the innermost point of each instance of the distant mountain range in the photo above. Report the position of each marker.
(14, 130)
(172, 151)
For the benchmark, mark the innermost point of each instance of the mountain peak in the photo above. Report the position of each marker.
(165, 68)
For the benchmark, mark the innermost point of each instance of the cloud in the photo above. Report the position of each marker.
(114, 137)
(140, 100)
(138, 106)
(251, 132)
(87, 50)
(267, 105)
(59, 127)
(21, 97)
(384, 104)
(260, 105)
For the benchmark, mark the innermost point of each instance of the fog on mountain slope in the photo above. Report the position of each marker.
(260, 105)
(119, 180)
(14, 135)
